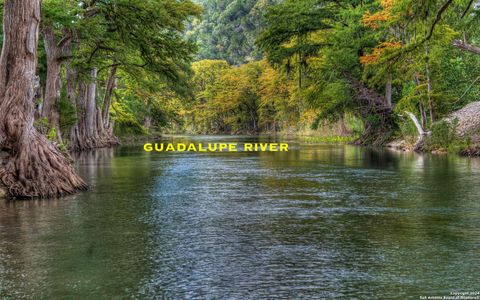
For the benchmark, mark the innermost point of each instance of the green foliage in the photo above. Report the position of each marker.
(408, 132)
(60, 13)
(289, 29)
(126, 121)
(271, 65)
(320, 41)
(41, 125)
(138, 36)
(228, 29)
(144, 39)
(355, 124)
(227, 99)
(444, 138)
(52, 134)
(312, 50)
(67, 112)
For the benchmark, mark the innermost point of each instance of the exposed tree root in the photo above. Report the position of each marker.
(38, 169)
(80, 142)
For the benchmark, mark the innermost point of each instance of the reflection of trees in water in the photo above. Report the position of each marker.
(94, 156)
(90, 245)
(341, 155)
(23, 247)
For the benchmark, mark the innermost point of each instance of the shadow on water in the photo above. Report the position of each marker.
(319, 221)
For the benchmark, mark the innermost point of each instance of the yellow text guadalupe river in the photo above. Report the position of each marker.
(215, 147)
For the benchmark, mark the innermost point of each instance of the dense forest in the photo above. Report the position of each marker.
(76, 75)
(374, 62)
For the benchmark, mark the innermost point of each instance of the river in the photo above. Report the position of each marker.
(317, 222)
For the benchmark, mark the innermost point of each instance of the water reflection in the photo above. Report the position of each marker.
(320, 221)
(86, 246)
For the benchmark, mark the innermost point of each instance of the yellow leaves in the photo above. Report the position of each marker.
(209, 65)
(273, 86)
(375, 20)
(309, 116)
(222, 89)
(387, 4)
(378, 52)
(207, 71)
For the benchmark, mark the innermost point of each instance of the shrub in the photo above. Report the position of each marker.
(444, 137)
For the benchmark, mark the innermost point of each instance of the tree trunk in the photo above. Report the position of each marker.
(464, 46)
(423, 115)
(99, 121)
(93, 129)
(388, 90)
(72, 90)
(34, 167)
(78, 138)
(55, 53)
(147, 123)
(107, 100)
(106, 136)
(429, 84)
(53, 82)
(91, 105)
(72, 82)
(343, 128)
(421, 132)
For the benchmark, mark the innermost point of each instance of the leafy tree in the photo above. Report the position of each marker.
(228, 29)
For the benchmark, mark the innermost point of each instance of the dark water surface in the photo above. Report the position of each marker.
(318, 222)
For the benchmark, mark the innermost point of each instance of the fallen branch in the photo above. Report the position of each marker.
(462, 45)
(421, 132)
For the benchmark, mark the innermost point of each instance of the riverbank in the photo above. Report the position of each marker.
(131, 140)
(401, 144)
(456, 134)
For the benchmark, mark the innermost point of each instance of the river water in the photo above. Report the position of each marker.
(318, 222)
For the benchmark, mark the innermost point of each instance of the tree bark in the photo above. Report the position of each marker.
(431, 107)
(55, 53)
(91, 105)
(34, 167)
(388, 90)
(93, 129)
(463, 45)
(72, 82)
(343, 127)
(421, 132)
(107, 99)
(147, 123)
(77, 132)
